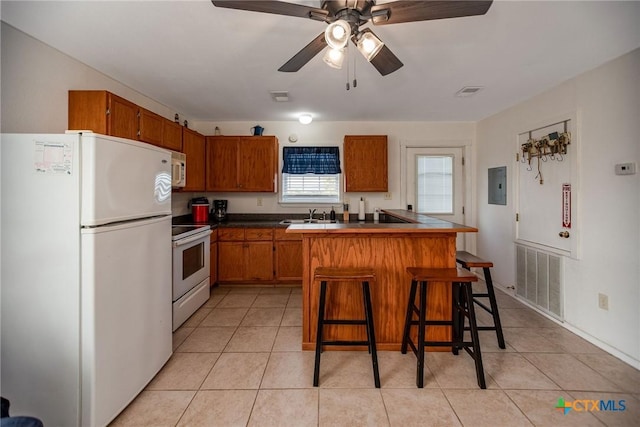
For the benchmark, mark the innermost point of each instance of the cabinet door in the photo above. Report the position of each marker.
(171, 135)
(288, 259)
(258, 158)
(222, 163)
(122, 118)
(88, 110)
(213, 258)
(193, 146)
(231, 261)
(258, 261)
(365, 163)
(151, 126)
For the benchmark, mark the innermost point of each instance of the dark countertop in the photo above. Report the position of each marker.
(256, 220)
(391, 220)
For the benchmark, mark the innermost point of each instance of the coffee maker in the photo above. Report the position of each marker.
(220, 210)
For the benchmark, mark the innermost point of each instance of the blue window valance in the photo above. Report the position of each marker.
(316, 160)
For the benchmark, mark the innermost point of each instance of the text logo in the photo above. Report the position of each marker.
(588, 405)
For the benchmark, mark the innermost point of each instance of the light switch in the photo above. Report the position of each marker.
(625, 169)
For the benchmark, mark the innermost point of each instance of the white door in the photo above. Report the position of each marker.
(123, 180)
(435, 184)
(546, 198)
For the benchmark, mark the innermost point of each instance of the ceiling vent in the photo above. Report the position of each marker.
(468, 91)
(280, 96)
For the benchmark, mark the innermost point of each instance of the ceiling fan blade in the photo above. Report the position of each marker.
(276, 7)
(411, 11)
(305, 55)
(386, 62)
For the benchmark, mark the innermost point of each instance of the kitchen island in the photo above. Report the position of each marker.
(388, 248)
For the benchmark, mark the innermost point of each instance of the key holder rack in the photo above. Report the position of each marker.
(550, 147)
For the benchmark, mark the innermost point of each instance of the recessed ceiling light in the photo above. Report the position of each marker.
(305, 119)
(280, 96)
(468, 91)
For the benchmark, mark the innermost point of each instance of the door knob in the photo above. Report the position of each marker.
(564, 234)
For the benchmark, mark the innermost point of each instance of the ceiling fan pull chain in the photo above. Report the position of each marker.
(346, 52)
(355, 81)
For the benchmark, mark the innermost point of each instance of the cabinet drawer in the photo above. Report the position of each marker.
(258, 234)
(281, 234)
(230, 234)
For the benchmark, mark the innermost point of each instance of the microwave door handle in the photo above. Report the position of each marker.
(188, 240)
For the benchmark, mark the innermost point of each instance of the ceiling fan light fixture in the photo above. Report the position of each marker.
(334, 58)
(369, 45)
(337, 34)
(305, 119)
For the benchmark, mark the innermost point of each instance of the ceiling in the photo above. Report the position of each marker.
(219, 64)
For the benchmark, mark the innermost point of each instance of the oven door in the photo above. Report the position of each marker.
(190, 262)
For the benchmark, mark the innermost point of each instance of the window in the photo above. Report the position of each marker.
(311, 175)
(434, 184)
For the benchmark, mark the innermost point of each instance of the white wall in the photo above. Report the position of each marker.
(606, 102)
(36, 80)
(332, 133)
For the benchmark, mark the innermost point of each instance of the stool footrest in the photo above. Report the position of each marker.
(344, 322)
(345, 342)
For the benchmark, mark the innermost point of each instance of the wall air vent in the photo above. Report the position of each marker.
(468, 91)
(280, 96)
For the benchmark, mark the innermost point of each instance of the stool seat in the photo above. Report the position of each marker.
(469, 261)
(337, 276)
(334, 274)
(441, 274)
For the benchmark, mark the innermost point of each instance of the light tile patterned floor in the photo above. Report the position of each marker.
(237, 362)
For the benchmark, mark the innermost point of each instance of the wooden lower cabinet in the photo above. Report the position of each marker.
(258, 255)
(245, 255)
(288, 256)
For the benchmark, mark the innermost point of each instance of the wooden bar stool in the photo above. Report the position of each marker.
(468, 261)
(462, 308)
(333, 275)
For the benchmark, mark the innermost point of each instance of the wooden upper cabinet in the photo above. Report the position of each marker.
(151, 127)
(193, 146)
(102, 112)
(366, 163)
(258, 156)
(222, 163)
(238, 163)
(171, 135)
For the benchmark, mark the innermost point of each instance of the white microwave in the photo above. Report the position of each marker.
(178, 169)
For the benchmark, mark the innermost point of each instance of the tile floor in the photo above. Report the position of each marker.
(237, 362)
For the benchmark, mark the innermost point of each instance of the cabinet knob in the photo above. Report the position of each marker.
(564, 234)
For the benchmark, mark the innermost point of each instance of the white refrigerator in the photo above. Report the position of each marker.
(85, 274)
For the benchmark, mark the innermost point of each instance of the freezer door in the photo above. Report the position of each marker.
(126, 313)
(123, 180)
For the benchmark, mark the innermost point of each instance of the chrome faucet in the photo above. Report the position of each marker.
(311, 212)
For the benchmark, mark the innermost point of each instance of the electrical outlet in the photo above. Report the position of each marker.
(259, 201)
(626, 169)
(387, 196)
(603, 301)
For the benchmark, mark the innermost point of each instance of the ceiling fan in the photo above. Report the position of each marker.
(345, 17)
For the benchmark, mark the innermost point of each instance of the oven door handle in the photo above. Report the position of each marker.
(190, 239)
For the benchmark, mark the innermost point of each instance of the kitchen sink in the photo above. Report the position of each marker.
(308, 221)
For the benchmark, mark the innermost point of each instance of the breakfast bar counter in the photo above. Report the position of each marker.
(388, 248)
